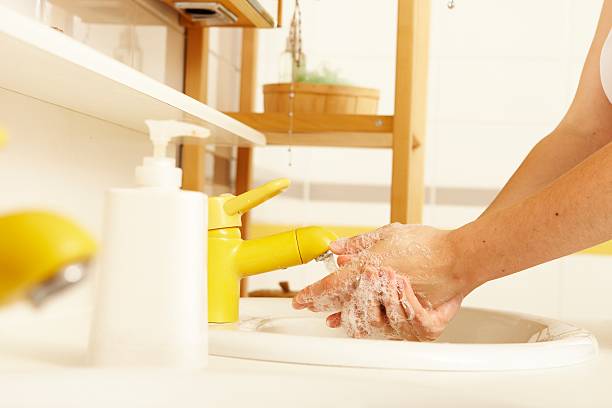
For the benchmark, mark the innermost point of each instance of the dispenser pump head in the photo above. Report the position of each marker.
(159, 170)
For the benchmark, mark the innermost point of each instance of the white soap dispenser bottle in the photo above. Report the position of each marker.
(150, 305)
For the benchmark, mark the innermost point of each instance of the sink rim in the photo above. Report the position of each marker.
(572, 345)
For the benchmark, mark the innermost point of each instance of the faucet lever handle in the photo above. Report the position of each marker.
(252, 198)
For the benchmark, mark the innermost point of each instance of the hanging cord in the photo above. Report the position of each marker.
(295, 36)
(295, 40)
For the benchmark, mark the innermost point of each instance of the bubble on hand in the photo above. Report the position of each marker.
(362, 316)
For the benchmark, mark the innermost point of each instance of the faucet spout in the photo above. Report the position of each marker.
(282, 250)
(230, 258)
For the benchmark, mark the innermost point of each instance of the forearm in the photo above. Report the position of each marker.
(586, 127)
(572, 213)
(549, 159)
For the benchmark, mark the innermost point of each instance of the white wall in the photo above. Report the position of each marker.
(63, 161)
(502, 74)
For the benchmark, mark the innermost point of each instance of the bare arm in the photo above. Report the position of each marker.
(572, 213)
(586, 128)
(408, 281)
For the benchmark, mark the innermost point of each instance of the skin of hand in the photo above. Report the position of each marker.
(396, 282)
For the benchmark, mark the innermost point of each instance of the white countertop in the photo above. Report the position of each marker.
(587, 385)
(40, 367)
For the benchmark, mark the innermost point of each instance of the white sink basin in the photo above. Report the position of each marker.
(476, 340)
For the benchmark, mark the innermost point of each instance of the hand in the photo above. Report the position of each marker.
(399, 281)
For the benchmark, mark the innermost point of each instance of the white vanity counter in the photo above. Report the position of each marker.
(44, 365)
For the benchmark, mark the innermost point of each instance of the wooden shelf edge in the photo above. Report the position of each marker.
(315, 122)
(255, 13)
(250, 14)
(336, 139)
(332, 139)
(326, 130)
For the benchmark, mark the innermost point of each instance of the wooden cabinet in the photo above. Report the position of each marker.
(230, 13)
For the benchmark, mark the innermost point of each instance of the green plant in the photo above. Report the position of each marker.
(323, 75)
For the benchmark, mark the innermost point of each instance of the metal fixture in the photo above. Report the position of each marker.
(65, 278)
(207, 13)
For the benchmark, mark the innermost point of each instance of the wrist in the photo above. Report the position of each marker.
(464, 270)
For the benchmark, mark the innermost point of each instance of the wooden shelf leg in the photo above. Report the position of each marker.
(244, 160)
(410, 119)
(196, 77)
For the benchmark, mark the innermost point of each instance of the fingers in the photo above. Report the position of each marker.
(344, 260)
(372, 322)
(358, 243)
(364, 315)
(355, 244)
(446, 311)
(361, 261)
(334, 320)
(398, 311)
(427, 325)
(361, 308)
(379, 304)
(329, 293)
(421, 324)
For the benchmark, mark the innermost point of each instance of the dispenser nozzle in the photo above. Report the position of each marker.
(159, 170)
(162, 131)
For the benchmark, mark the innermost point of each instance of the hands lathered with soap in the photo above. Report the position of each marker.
(398, 281)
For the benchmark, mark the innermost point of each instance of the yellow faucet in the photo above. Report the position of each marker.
(41, 253)
(231, 258)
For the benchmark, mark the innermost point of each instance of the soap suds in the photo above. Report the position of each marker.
(378, 268)
(364, 314)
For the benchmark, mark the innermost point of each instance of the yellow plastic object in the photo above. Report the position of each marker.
(225, 211)
(36, 245)
(231, 258)
(313, 241)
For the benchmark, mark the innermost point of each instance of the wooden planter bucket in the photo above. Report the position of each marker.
(319, 98)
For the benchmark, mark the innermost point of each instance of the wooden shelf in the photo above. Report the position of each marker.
(249, 13)
(318, 129)
(47, 65)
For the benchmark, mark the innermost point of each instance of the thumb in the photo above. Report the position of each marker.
(447, 310)
(356, 244)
